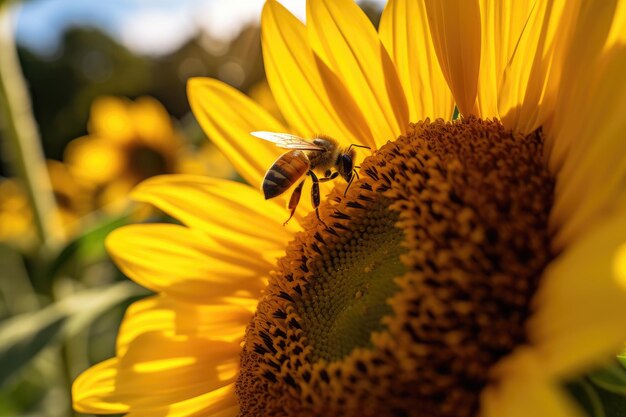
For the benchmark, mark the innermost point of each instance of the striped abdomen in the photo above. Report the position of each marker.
(283, 173)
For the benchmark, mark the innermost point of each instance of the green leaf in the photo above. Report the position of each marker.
(22, 337)
(587, 396)
(32, 393)
(602, 393)
(614, 404)
(20, 344)
(456, 113)
(611, 378)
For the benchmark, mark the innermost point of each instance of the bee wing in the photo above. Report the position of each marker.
(287, 141)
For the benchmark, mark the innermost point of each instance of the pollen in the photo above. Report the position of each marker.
(417, 286)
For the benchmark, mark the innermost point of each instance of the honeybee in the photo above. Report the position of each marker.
(322, 154)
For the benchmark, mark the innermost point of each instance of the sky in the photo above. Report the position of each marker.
(146, 26)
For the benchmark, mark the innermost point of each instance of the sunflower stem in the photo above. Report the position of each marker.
(22, 138)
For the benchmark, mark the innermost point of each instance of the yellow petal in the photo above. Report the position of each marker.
(92, 389)
(218, 403)
(189, 367)
(617, 36)
(221, 208)
(296, 83)
(261, 93)
(588, 151)
(455, 30)
(95, 159)
(581, 302)
(582, 65)
(227, 117)
(405, 33)
(521, 389)
(502, 24)
(183, 375)
(181, 367)
(347, 44)
(531, 78)
(222, 322)
(184, 263)
(110, 117)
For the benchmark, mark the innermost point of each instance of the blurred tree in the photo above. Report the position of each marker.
(239, 63)
(170, 73)
(242, 66)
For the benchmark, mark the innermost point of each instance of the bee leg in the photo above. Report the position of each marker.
(315, 196)
(329, 177)
(348, 187)
(358, 146)
(327, 173)
(294, 200)
(354, 174)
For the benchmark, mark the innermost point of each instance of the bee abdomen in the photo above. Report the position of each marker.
(287, 169)
(275, 183)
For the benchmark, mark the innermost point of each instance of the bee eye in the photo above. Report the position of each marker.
(346, 161)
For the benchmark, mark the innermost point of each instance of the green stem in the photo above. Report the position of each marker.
(20, 131)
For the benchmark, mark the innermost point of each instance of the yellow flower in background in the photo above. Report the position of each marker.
(128, 142)
(74, 196)
(207, 158)
(474, 267)
(16, 217)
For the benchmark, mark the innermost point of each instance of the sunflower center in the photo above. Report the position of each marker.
(419, 285)
(353, 274)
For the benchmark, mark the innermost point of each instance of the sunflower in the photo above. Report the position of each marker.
(74, 196)
(475, 266)
(128, 142)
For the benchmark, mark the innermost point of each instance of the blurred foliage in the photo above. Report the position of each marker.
(23, 336)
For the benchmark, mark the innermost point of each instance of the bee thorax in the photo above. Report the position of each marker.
(321, 161)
